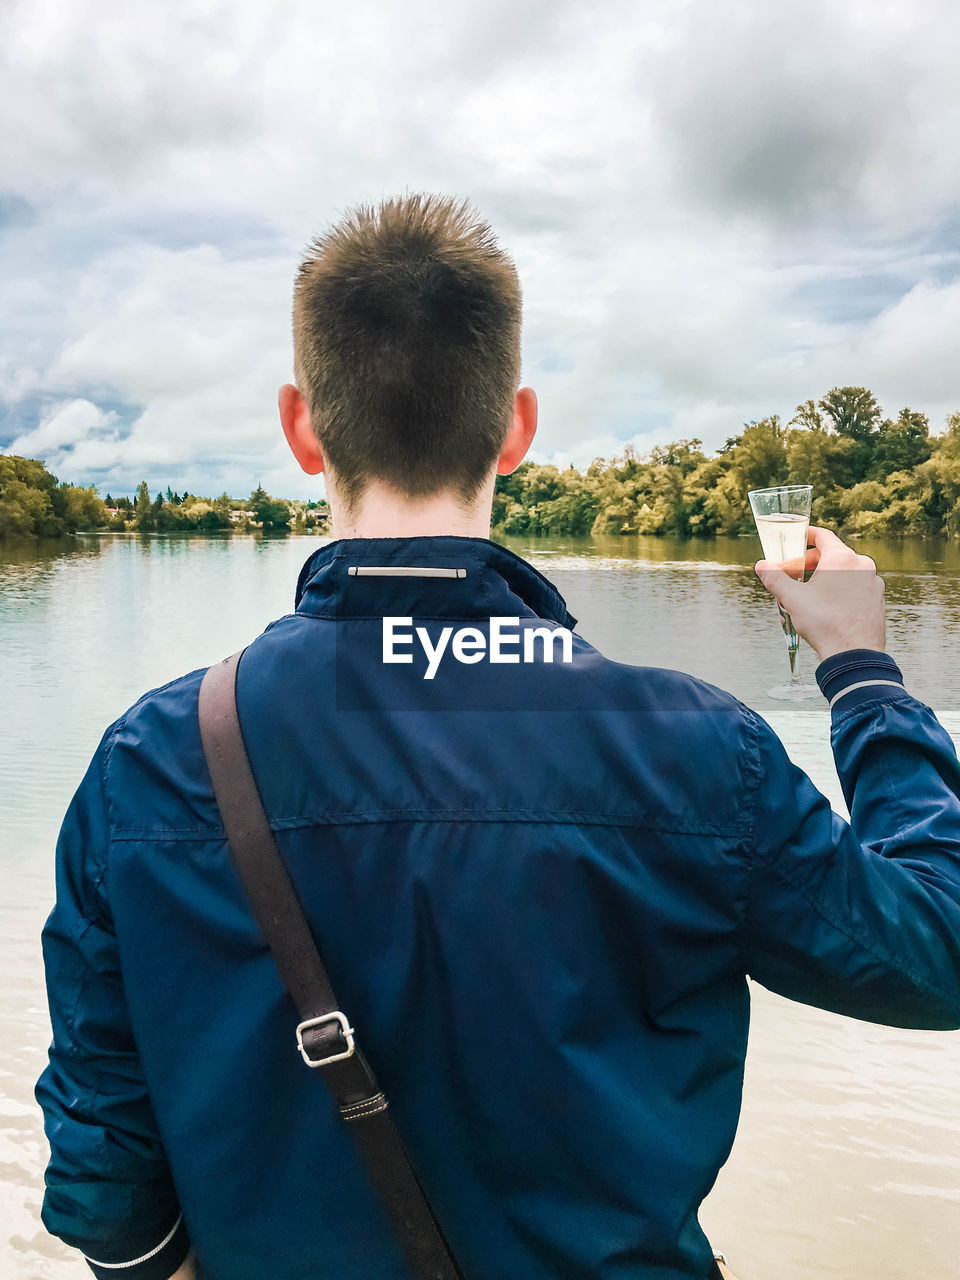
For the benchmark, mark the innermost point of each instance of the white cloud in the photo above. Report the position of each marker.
(67, 424)
(916, 341)
(694, 193)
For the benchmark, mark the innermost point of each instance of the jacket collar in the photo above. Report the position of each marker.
(494, 581)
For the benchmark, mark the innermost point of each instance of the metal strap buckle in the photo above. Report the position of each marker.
(345, 1029)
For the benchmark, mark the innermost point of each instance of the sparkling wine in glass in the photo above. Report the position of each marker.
(782, 515)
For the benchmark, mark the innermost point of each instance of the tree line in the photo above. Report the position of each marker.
(173, 512)
(33, 502)
(870, 475)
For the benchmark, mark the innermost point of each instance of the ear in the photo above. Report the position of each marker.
(521, 433)
(295, 420)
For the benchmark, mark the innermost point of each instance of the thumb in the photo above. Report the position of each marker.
(777, 582)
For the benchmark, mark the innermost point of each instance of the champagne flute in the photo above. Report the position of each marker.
(782, 516)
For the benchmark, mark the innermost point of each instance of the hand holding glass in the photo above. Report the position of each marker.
(782, 516)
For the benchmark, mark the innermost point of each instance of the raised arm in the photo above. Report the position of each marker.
(863, 919)
(109, 1192)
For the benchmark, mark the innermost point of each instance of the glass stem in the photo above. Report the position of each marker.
(793, 653)
(793, 644)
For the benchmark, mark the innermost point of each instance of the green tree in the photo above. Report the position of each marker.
(541, 484)
(725, 507)
(702, 491)
(685, 454)
(271, 513)
(209, 521)
(759, 454)
(26, 490)
(33, 502)
(79, 508)
(575, 508)
(853, 411)
(144, 520)
(820, 458)
(508, 493)
(807, 415)
(901, 445)
(223, 507)
(276, 514)
(617, 511)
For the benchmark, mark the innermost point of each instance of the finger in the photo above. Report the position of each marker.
(812, 558)
(823, 539)
(834, 552)
(795, 566)
(777, 582)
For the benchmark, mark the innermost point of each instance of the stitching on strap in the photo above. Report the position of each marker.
(361, 1114)
(367, 1102)
(369, 1107)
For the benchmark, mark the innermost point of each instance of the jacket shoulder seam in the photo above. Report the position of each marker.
(752, 818)
(110, 744)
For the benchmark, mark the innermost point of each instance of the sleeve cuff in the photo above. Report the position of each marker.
(157, 1263)
(856, 676)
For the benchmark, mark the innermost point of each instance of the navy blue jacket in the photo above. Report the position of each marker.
(539, 889)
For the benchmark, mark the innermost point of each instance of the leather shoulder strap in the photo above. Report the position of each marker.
(264, 874)
(324, 1035)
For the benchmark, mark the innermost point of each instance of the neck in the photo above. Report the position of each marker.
(384, 513)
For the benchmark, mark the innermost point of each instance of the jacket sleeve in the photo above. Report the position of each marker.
(109, 1191)
(861, 919)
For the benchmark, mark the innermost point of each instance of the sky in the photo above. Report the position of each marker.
(718, 209)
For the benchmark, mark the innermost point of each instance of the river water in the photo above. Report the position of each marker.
(847, 1161)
